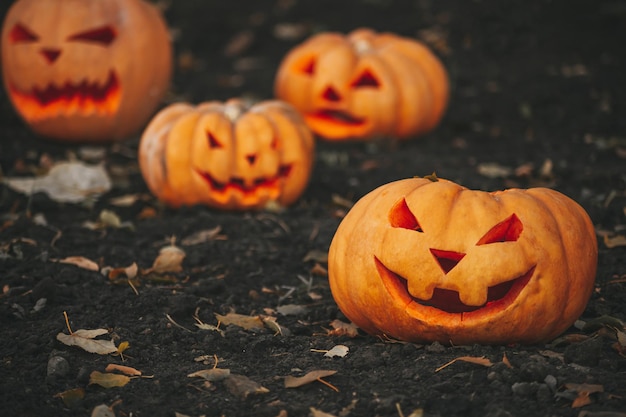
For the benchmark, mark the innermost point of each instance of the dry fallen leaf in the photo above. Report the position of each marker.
(108, 380)
(211, 375)
(471, 359)
(81, 262)
(295, 382)
(292, 310)
(494, 170)
(341, 328)
(70, 182)
(71, 397)
(614, 241)
(319, 413)
(242, 386)
(85, 340)
(203, 236)
(102, 411)
(316, 255)
(247, 322)
(170, 259)
(337, 350)
(123, 369)
(584, 392)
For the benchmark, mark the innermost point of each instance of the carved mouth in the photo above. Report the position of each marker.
(84, 98)
(239, 185)
(499, 296)
(336, 116)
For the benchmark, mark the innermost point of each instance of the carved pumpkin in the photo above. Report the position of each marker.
(227, 155)
(364, 85)
(427, 261)
(81, 70)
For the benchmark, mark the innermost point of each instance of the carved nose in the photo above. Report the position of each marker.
(446, 259)
(51, 54)
(251, 158)
(331, 95)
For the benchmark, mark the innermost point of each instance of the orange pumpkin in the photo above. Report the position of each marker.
(80, 70)
(364, 84)
(424, 261)
(227, 155)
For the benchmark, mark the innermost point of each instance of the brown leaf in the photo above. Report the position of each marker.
(295, 382)
(81, 262)
(71, 397)
(108, 380)
(242, 386)
(471, 359)
(211, 375)
(170, 259)
(341, 328)
(85, 340)
(203, 236)
(123, 369)
(246, 322)
(584, 392)
(614, 241)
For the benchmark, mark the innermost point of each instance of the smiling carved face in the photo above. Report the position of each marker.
(363, 85)
(227, 155)
(80, 70)
(432, 261)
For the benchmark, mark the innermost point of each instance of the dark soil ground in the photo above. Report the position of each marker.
(538, 85)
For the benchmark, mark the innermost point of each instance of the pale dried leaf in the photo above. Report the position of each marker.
(85, 339)
(614, 241)
(494, 170)
(295, 382)
(170, 259)
(129, 272)
(319, 413)
(292, 310)
(210, 327)
(341, 328)
(81, 262)
(242, 386)
(337, 350)
(125, 200)
(202, 236)
(69, 182)
(102, 411)
(246, 322)
(471, 359)
(108, 380)
(211, 375)
(272, 324)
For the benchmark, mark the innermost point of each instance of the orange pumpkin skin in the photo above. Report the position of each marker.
(227, 155)
(85, 71)
(427, 261)
(364, 84)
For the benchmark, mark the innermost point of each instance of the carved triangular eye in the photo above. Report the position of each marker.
(103, 35)
(20, 33)
(507, 230)
(366, 79)
(402, 217)
(213, 142)
(309, 67)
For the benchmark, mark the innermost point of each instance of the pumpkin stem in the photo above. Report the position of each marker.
(362, 46)
(233, 109)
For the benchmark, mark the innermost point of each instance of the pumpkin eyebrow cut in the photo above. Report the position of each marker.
(508, 230)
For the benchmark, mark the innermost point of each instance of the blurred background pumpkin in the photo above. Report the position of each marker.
(87, 71)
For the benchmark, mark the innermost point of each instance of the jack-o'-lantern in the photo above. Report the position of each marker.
(82, 70)
(364, 85)
(231, 155)
(422, 261)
